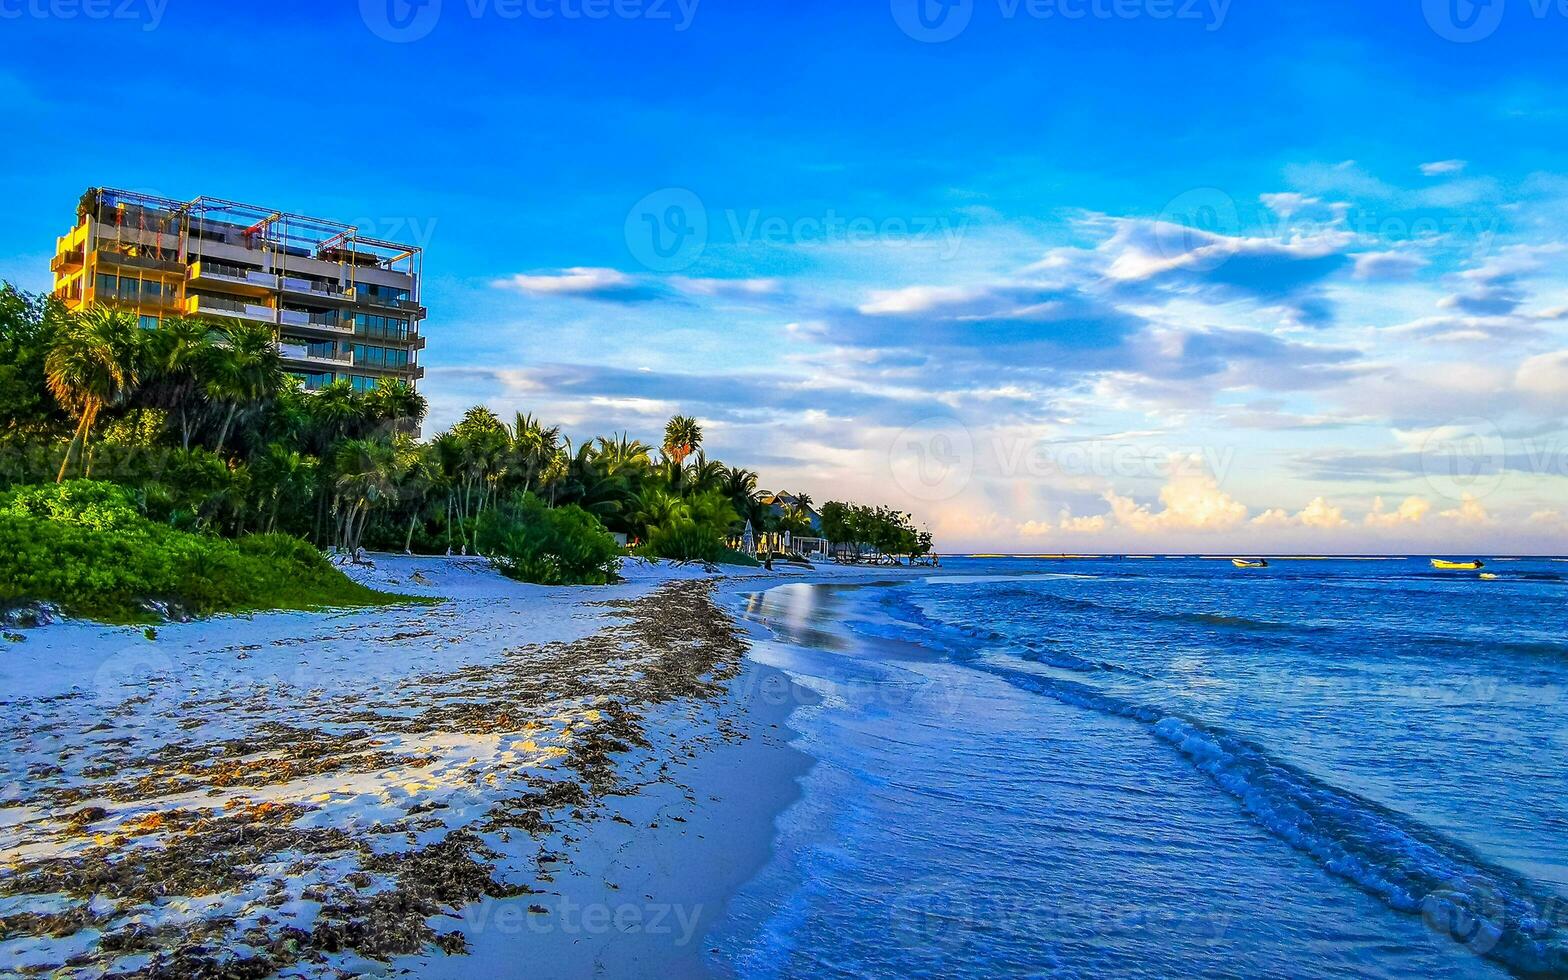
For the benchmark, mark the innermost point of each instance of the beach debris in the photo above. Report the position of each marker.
(322, 827)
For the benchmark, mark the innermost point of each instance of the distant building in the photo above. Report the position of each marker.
(777, 504)
(344, 307)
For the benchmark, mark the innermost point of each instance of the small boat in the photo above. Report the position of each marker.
(1249, 563)
(1490, 576)
(1457, 566)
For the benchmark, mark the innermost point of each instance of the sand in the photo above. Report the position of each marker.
(514, 781)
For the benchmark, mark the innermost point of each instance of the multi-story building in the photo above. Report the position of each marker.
(343, 306)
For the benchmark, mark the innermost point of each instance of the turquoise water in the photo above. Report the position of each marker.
(1170, 767)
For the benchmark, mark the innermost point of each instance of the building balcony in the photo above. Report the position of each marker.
(129, 295)
(67, 261)
(234, 278)
(109, 257)
(302, 354)
(313, 289)
(300, 320)
(218, 306)
(364, 297)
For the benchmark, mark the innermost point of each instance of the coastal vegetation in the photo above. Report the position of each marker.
(86, 547)
(216, 450)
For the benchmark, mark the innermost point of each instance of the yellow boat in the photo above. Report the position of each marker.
(1490, 576)
(1249, 563)
(1457, 566)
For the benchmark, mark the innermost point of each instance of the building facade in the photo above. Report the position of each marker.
(343, 306)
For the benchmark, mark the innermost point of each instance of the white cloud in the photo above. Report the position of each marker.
(1288, 203)
(1545, 377)
(1412, 511)
(1440, 168)
(728, 287)
(1388, 265)
(576, 281)
(1470, 512)
(1192, 499)
(1317, 514)
(916, 299)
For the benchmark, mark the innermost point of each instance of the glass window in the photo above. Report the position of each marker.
(147, 322)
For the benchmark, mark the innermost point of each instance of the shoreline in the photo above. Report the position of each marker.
(608, 750)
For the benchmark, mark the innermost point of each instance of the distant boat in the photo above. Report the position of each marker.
(1490, 576)
(1249, 563)
(1457, 566)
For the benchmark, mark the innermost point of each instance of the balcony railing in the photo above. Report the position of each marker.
(106, 256)
(218, 306)
(66, 260)
(128, 293)
(292, 284)
(303, 320)
(224, 272)
(297, 352)
(359, 294)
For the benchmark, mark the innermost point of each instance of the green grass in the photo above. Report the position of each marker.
(84, 547)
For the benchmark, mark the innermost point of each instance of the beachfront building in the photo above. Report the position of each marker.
(807, 541)
(344, 306)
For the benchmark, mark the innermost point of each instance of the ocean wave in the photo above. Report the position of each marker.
(1410, 867)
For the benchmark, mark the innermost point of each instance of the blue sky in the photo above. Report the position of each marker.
(1078, 275)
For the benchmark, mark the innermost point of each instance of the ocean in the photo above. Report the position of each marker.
(1157, 767)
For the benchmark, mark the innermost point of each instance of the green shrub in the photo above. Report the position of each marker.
(729, 556)
(83, 546)
(692, 528)
(532, 542)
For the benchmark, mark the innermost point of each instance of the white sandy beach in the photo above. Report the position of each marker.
(520, 775)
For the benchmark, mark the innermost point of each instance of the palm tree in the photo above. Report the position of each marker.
(705, 475)
(623, 456)
(396, 403)
(533, 447)
(740, 486)
(369, 475)
(92, 364)
(336, 411)
(179, 353)
(682, 437)
(288, 475)
(247, 370)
